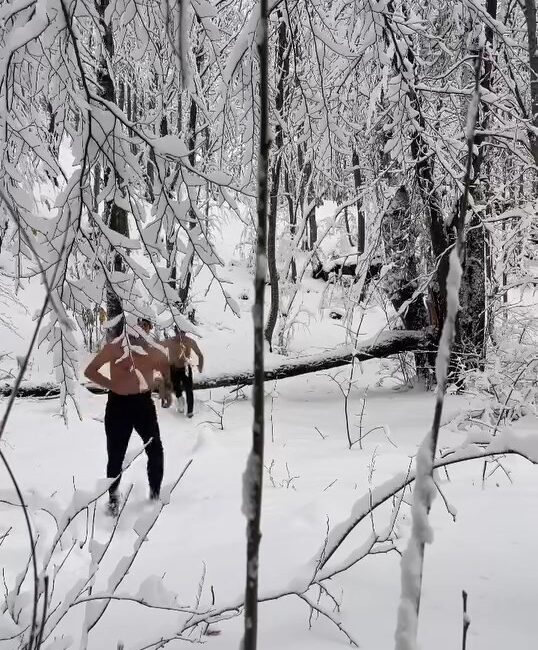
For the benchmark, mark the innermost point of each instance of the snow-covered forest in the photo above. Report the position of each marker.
(332, 204)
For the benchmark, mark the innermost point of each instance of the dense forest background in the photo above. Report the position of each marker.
(134, 132)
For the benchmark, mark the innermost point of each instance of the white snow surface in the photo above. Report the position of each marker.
(314, 486)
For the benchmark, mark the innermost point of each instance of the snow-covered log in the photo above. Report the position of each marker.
(383, 345)
(30, 389)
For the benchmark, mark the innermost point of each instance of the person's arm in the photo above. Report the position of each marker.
(171, 351)
(106, 355)
(199, 354)
(162, 366)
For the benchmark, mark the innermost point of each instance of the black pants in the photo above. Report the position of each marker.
(182, 381)
(122, 414)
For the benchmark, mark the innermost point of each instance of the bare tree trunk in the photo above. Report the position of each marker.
(53, 140)
(312, 223)
(253, 477)
(306, 188)
(292, 215)
(171, 235)
(121, 94)
(312, 229)
(404, 58)
(361, 220)
(3, 231)
(271, 246)
(118, 217)
(432, 204)
(134, 114)
(191, 144)
(471, 328)
(283, 67)
(183, 290)
(347, 226)
(129, 102)
(151, 162)
(96, 184)
(401, 283)
(530, 17)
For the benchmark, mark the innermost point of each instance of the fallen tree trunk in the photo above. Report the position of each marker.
(383, 345)
(29, 389)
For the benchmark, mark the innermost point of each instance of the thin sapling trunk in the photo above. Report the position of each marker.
(253, 477)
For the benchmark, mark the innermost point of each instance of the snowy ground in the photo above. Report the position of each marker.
(312, 477)
(488, 551)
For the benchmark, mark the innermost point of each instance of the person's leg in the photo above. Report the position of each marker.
(189, 391)
(147, 427)
(176, 379)
(176, 376)
(118, 429)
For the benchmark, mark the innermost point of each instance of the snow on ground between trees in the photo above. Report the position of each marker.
(312, 480)
(308, 479)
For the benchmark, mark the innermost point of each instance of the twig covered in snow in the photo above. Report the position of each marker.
(35, 631)
(49, 286)
(36, 590)
(345, 386)
(64, 519)
(466, 621)
(330, 616)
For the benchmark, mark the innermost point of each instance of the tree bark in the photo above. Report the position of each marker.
(532, 37)
(404, 58)
(292, 215)
(184, 288)
(171, 235)
(134, 113)
(117, 215)
(121, 94)
(271, 247)
(312, 226)
(428, 192)
(348, 227)
(401, 281)
(361, 220)
(306, 188)
(282, 65)
(470, 344)
(96, 184)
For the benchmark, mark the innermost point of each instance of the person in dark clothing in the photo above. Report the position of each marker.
(124, 413)
(180, 349)
(130, 406)
(182, 381)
